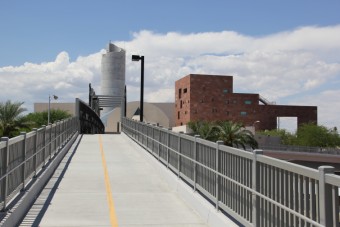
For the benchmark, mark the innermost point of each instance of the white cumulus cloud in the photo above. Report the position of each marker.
(300, 67)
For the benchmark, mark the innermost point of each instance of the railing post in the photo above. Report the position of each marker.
(35, 151)
(44, 145)
(195, 158)
(168, 148)
(4, 164)
(325, 197)
(24, 153)
(217, 178)
(50, 142)
(58, 134)
(159, 142)
(256, 187)
(153, 126)
(55, 138)
(179, 154)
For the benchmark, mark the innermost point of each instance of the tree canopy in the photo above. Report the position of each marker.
(311, 135)
(11, 120)
(231, 133)
(38, 119)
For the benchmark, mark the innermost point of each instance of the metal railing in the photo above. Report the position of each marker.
(24, 156)
(282, 147)
(90, 122)
(255, 189)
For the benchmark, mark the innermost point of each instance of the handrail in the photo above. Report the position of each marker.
(255, 189)
(90, 122)
(24, 156)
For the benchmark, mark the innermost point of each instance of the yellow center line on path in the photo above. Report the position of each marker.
(113, 217)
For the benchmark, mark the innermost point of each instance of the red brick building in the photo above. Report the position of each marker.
(211, 98)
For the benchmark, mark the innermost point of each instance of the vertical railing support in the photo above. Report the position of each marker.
(217, 169)
(50, 142)
(256, 186)
(44, 146)
(195, 158)
(24, 153)
(4, 164)
(35, 151)
(325, 197)
(179, 154)
(159, 142)
(168, 148)
(58, 135)
(55, 138)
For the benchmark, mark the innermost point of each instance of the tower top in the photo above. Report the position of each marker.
(113, 48)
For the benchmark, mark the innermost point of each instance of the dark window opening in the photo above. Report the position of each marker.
(185, 90)
(178, 115)
(180, 93)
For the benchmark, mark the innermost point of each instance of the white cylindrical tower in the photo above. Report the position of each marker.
(113, 73)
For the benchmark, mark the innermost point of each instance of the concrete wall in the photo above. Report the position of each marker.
(154, 113)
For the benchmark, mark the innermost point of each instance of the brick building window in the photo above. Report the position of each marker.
(185, 90)
(225, 91)
(243, 113)
(247, 102)
(178, 115)
(180, 93)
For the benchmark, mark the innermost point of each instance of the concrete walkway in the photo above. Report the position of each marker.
(111, 183)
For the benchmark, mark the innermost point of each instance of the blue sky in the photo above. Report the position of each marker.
(38, 30)
(288, 51)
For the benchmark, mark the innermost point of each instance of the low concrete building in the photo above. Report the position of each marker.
(154, 113)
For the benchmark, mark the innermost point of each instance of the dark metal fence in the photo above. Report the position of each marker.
(90, 122)
(255, 189)
(22, 157)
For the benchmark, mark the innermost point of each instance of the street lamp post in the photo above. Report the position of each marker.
(137, 58)
(49, 107)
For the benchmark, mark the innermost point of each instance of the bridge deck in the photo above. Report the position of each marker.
(111, 183)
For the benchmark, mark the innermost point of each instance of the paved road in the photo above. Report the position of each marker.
(111, 183)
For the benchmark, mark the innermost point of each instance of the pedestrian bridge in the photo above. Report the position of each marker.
(150, 176)
(111, 181)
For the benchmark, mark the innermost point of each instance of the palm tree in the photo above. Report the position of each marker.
(235, 135)
(206, 130)
(10, 118)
